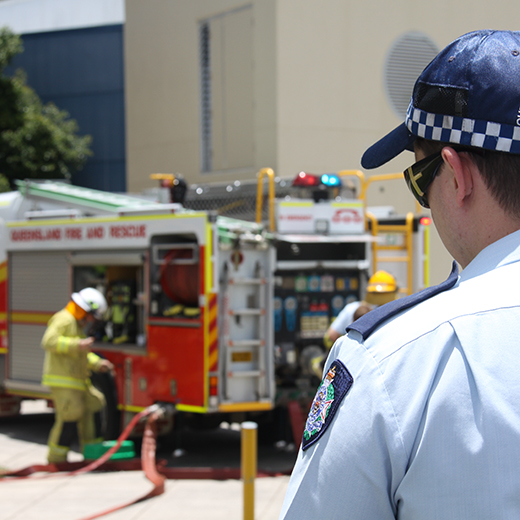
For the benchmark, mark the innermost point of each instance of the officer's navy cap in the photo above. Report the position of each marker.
(468, 95)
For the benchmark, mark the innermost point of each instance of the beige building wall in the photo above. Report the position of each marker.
(316, 70)
(163, 96)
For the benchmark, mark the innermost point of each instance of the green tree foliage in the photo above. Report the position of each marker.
(37, 141)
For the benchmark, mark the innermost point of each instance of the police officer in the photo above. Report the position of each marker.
(418, 414)
(67, 366)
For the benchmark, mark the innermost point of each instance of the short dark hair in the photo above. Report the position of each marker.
(500, 171)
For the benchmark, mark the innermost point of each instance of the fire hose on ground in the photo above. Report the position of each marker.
(74, 469)
(155, 472)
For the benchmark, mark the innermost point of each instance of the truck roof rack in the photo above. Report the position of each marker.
(76, 196)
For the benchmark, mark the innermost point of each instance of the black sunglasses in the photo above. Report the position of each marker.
(420, 175)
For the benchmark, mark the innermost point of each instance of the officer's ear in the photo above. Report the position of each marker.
(462, 170)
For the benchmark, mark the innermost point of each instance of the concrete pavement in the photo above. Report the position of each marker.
(80, 497)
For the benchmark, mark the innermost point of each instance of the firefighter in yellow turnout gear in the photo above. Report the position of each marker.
(67, 367)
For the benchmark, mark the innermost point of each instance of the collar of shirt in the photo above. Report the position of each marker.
(502, 252)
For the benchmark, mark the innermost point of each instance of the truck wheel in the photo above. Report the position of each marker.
(110, 416)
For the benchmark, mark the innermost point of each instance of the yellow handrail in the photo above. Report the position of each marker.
(375, 232)
(409, 249)
(260, 196)
(162, 176)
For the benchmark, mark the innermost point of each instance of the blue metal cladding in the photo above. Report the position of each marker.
(81, 71)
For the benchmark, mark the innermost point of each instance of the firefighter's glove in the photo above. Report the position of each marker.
(327, 341)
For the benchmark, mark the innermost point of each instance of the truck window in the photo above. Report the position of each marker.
(175, 280)
(123, 288)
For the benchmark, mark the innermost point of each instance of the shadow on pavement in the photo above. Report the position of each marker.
(214, 448)
(219, 448)
(28, 427)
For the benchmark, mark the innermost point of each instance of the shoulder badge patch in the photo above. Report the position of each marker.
(333, 389)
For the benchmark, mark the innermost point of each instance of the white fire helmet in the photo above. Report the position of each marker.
(92, 301)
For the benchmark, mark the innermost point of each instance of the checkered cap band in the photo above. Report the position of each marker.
(464, 131)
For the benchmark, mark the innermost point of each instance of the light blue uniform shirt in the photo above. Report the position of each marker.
(430, 428)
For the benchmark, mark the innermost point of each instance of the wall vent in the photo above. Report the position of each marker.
(405, 61)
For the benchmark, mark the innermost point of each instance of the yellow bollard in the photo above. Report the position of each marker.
(248, 466)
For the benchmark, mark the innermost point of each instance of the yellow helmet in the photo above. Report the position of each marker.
(382, 288)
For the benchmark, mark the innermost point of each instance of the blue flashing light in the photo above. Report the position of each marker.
(331, 180)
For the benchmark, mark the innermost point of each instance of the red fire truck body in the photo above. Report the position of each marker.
(210, 314)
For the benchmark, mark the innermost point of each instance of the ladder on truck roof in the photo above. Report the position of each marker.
(99, 202)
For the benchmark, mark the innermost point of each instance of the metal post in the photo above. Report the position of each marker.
(248, 466)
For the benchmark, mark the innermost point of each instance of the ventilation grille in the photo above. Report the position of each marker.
(45, 289)
(406, 59)
(205, 89)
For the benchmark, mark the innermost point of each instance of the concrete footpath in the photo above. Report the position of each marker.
(82, 496)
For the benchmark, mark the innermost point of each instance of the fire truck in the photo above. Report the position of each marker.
(216, 316)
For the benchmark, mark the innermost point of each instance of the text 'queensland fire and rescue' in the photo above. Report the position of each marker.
(78, 233)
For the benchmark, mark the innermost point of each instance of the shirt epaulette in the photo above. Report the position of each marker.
(371, 320)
